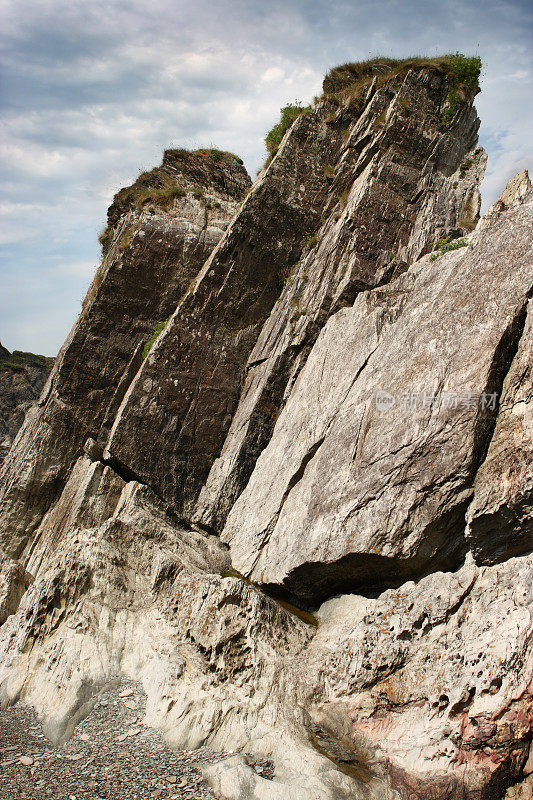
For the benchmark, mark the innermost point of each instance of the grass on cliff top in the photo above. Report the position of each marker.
(18, 360)
(157, 188)
(212, 153)
(352, 78)
(463, 71)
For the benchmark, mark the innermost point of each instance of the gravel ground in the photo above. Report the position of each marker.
(111, 755)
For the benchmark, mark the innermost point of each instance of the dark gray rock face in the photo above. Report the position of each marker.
(152, 255)
(281, 472)
(22, 377)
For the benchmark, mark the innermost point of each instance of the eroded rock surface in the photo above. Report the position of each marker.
(432, 681)
(299, 409)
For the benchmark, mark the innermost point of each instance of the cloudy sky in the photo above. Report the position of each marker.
(92, 92)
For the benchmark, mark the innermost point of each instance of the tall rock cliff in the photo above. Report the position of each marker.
(281, 472)
(160, 231)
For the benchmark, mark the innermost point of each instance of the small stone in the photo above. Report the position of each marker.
(134, 731)
(126, 693)
(85, 737)
(26, 761)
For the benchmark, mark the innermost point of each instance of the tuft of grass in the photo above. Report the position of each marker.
(311, 242)
(19, 359)
(445, 245)
(198, 192)
(464, 72)
(463, 69)
(163, 196)
(105, 238)
(157, 330)
(217, 155)
(212, 153)
(287, 116)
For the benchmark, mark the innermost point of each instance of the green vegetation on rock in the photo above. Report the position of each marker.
(217, 155)
(446, 244)
(464, 77)
(18, 360)
(349, 81)
(159, 328)
(287, 116)
(463, 70)
(163, 196)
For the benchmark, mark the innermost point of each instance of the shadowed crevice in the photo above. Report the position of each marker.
(311, 584)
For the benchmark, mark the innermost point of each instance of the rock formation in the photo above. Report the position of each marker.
(281, 472)
(160, 231)
(22, 377)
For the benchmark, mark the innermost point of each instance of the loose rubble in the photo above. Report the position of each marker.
(100, 760)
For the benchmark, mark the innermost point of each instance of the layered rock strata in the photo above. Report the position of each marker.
(160, 232)
(300, 513)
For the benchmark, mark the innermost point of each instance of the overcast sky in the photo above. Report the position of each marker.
(92, 92)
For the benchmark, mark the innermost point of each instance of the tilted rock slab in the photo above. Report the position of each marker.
(400, 183)
(189, 386)
(347, 200)
(500, 517)
(152, 257)
(371, 465)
